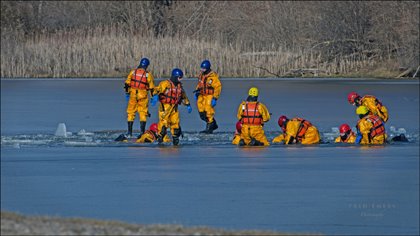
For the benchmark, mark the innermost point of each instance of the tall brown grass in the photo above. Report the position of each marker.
(111, 52)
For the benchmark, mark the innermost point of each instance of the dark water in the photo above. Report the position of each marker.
(326, 188)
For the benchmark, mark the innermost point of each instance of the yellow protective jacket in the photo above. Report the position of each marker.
(166, 85)
(350, 139)
(254, 131)
(149, 78)
(375, 107)
(168, 112)
(372, 129)
(150, 137)
(209, 84)
(293, 128)
(262, 109)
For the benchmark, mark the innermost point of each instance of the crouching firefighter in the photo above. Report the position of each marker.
(297, 130)
(370, 128)
(137, 85)
(170, 93)
(206, 94)
(253, 115)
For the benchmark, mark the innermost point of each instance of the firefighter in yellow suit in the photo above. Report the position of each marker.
(297, 130)
(346, 135)
(253, 115)
(370, 128)
(206, 94)
(170, 94)
(151, 135)
(137, 85)
(371, 102)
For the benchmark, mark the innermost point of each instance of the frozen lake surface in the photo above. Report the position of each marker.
(325, 188)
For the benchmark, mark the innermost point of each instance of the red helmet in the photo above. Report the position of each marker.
(352, 97)
(153, 127)
(344, 128)
(239, 126)
(282, 121)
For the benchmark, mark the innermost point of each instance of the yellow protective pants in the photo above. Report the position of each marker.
(138, 102)
(236, 139)
(380, 139)
(253, 131)
(168, 117)
(204, 105)
(311, 136)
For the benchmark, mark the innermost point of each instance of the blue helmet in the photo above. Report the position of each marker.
(205, 64)
(144, 62)
(177, 73)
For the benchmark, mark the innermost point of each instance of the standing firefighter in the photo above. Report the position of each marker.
(297, 130)
(139, 82)
(253, 115)
(206, 94)
(371, 102)
(170, 94)
(370, 128)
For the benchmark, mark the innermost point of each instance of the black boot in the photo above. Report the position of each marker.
(161, 135)
(175, 136)
(203, 116)
(130, 128)
(241, 142)
(142, 127)
(207, 130)
(213, 126)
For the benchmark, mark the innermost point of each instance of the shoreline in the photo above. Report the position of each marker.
(21, 224)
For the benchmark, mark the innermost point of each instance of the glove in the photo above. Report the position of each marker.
(358, 138)
(154, 100)
(213, 102)
(126, 87)
(196, 94)
(189, 108)
(127, 96)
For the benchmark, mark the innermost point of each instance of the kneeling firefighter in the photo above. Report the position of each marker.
(253, 115)
(297, 130)
(170, 94)
(206, 94)
(370, 128)
(371, 102)
(151, 135)
(346, 135)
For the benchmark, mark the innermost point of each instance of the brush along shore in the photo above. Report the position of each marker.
(18, 224)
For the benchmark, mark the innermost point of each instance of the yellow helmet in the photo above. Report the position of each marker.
(362, 110)
(253, 92)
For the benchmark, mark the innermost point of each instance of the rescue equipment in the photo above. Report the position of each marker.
(251, 115)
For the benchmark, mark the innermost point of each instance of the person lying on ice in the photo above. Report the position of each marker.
(171, 94)
(253, 115)
(346, 135)
(297, 130)
(370, 128)
(151, 135)
(237, 136)
(371, 102)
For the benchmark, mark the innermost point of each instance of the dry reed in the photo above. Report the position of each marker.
(111, 52)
